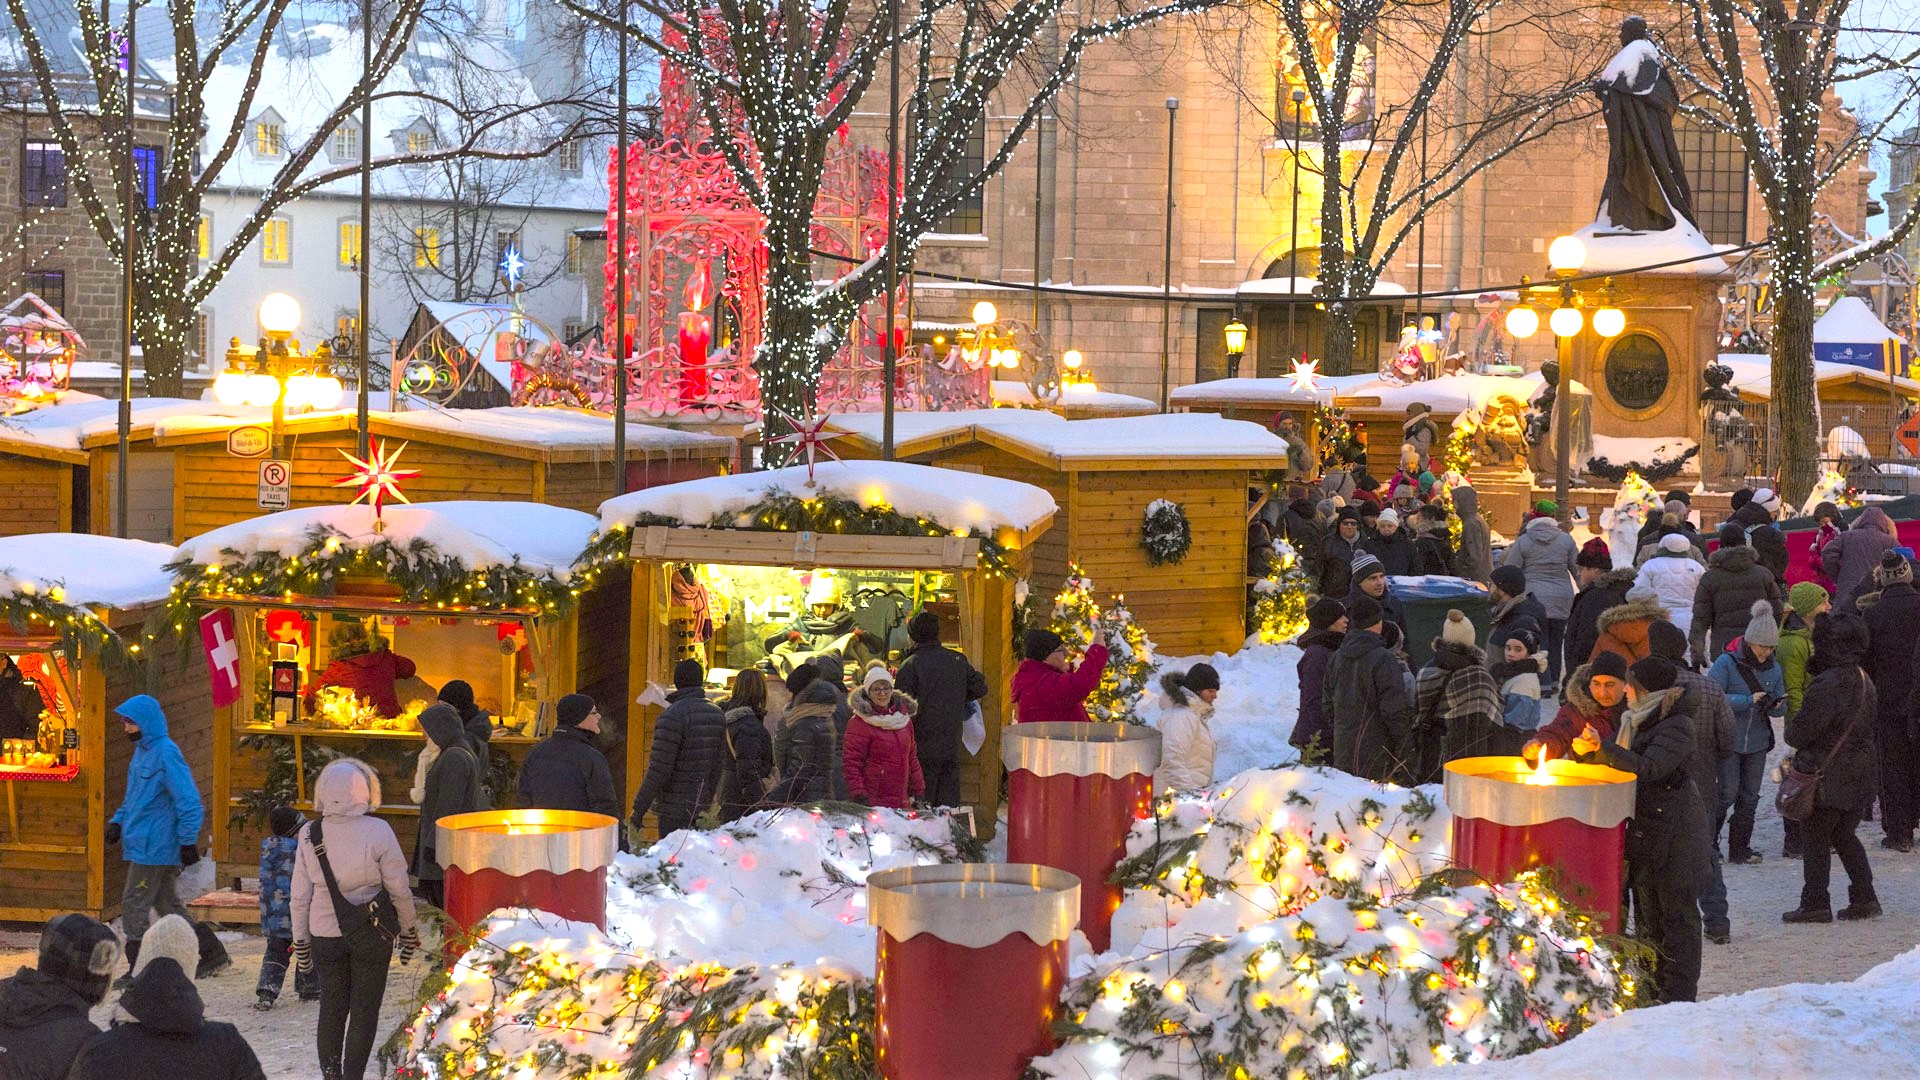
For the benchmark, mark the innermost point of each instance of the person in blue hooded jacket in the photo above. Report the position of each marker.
(158, 823)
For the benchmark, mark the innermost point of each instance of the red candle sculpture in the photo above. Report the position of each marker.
(1073, 792)
(553, 860)
(696, 333)
(971, 961)
(1509, 816)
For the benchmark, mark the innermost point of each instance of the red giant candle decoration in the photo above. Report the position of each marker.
(972, 958)
(696, 333)
(553, 860)
(1509, 817)
(1073, 792)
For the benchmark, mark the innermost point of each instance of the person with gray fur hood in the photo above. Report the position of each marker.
(160, 1027)
(1186, 738)
(43, 1008)
(1549, 558)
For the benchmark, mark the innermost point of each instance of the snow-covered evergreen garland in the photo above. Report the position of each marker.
(1165, 533)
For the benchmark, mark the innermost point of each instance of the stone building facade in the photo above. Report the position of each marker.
(1095, 182)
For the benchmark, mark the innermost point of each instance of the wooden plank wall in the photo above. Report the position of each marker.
(1194, 606)
(224, 489)
(601, 672)
(178, 679)
(150, 492)
(37, 496)
(1050, 553)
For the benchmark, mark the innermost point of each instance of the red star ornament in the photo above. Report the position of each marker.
(809, 438)
(378, 477)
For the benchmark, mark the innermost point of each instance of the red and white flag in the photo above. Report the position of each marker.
(222, 645)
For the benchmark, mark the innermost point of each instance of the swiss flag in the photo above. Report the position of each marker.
(217, 637)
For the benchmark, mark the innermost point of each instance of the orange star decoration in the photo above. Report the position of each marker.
(377, 477)
(1305, 374)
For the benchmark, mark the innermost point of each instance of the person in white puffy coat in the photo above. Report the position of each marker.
(1186, 739)
(1673, 574)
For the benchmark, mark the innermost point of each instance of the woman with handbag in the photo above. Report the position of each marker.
(351, 907)
(1829, 782)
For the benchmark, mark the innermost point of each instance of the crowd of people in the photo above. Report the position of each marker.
(1677, 669)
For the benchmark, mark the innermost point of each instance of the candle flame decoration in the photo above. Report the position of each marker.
(1539, 777)
(699, 283)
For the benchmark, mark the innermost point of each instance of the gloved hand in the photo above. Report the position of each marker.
(303, 955)
(113, 832)
(407, 944)
(189, 854)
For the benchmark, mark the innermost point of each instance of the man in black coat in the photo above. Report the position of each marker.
(1828, 735)
(1755, 519)
(1336, 554)
(566, 771)
(43, 1009)
(1893, 622)
(1668, 839)
(1391, 544)
(1514, 609)
(1366, 696)
(944, 683)
(1370, 580)
(1601, 587)
(1711, 713)
(688, 755)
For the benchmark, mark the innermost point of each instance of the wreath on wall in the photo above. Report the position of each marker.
(1165, 534)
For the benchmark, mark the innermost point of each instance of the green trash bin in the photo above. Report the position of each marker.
(1426, 600)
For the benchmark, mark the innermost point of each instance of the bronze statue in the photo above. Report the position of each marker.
(1646, 187)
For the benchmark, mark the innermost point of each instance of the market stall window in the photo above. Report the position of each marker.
(36, 711)
(776, 618)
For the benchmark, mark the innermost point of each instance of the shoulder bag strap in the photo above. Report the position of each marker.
(343, 912)
(1747, 676)
(1853, 717)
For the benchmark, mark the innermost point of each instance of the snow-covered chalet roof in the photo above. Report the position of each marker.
(536, 538)
(552, 427)
(66, 431)
(1851, 322)
(104, 570)
(1447, 395)
(957, 500)
(1163, 441)
(1753, 375)
(1074, 398)
(911, 428)
(1268, 391)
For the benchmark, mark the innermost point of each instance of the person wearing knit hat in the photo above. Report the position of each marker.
(1737, 574)
(1681, 496)
(1365, 613)
(1806, 602)
(685, 757)
(1652, 675)
(1894, 569)
(1389, 517)
(878, 757)
(1601, 588)
(1667, 641)
(1391, 541)
(1366, 565)
(1457, 705)
(1511, 581)
(1047, 687)
(1370, 581)
(1457, 629)
(1740, 498)
(1767, 500)
(1755, 686)
(1595, 554)
(566, 771)
(1610, 665)
(160, 1026)
(1367, 700)
(1808, 599)
(1326, 628)
(43, 1009)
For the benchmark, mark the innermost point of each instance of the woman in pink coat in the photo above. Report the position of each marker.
(882, 765)
(1045, 689)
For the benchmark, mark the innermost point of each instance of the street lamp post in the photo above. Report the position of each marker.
(278, 375)
(1235, 336)
(1166, 270)
(1565, 256)
(1293, 227)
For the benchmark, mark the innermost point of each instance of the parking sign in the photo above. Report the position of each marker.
(276, 485)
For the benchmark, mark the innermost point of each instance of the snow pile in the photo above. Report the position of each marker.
(954, 499)
(704, 894)
(915, 426)
(1781, 1032)
(1145, 439)
(550, 428)
(1018, 395)
(1658, 458)
(77, 569)
(1626, 64)
(1259, 701)
(74, 422)
(1266, 843)
(1610, 251)
(742, 951)
(535, 538)
(1347, 987)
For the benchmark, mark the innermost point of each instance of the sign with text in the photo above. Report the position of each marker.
(250, 440)
(276, 485)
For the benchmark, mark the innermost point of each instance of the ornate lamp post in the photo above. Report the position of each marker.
(997, 340)
(275, 373)
(1235, 335)
(1565, 256)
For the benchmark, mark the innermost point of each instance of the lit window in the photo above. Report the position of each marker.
(420, 141)
(346, 143)
(203, 237)
(350, 244)
(573, 155)
(276, 241)
(577, 250)
(426, 248)
(268, 138)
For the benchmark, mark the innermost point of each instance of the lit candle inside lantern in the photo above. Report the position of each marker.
(696, 334)
(1510, 816)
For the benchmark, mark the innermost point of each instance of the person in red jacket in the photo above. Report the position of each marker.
(881, 763)
(1045, 688)
(1594, 697)
(364, 664)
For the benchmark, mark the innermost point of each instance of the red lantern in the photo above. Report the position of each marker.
(1510, 817)
(553, 860)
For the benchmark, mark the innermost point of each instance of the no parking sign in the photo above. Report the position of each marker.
(276, 485)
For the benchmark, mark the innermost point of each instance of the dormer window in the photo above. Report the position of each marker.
(344, 147)
(269, 135)
(573, 154)
(416, 138)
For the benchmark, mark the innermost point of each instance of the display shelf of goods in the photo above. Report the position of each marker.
(1165, 533)
(47, 773)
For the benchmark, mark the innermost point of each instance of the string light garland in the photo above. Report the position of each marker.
(1080, 622)
(33, 609)
(1279, 612)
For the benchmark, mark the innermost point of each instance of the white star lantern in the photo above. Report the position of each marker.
(808, 438)
(1305, 374)
(377, 477)
(512, 267)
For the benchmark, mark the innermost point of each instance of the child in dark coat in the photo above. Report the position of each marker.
(276, 911)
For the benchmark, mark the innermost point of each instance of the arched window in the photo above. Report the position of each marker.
(1716, 167)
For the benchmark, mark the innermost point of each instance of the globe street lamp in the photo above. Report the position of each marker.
(275, 373)
(1565, 257)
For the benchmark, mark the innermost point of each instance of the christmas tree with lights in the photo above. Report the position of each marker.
(1280, 599)
(1080, 621)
